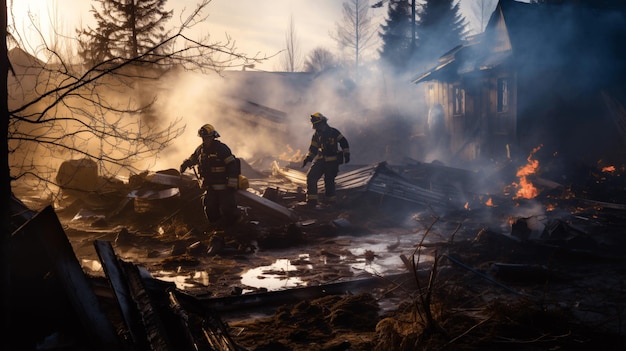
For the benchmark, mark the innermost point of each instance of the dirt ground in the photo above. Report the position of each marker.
(540, 274)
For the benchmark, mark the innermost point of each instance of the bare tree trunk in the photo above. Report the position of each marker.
(291, 59)
(5, 185)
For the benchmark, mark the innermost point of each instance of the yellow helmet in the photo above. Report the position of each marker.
(318, 118)
(208, 130)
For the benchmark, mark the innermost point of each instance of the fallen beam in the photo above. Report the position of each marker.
(121, 291)
(279, 297)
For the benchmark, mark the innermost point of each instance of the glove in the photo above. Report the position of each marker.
(346, 158)
(184, 166)
(305, 161)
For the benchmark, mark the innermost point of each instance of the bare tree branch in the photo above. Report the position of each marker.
(59, 110)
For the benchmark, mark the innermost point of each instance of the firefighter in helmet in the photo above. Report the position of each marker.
(326, 157)
(218, 175)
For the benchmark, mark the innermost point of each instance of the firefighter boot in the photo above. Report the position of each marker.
(311, 200)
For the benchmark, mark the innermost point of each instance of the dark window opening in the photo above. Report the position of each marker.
(459, 100)
(503, 94)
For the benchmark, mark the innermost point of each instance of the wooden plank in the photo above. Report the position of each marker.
(279, 297)
(110, 265)
(156, 334)
(142, 310)
(45, 230)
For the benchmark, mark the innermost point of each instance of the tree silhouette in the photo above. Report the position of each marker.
(397, 35)
(319, 60)
(355, 32)
(56, 110)
(5, 183)
(291, 60)
(104, 112)
(124, 29)
(440, 28)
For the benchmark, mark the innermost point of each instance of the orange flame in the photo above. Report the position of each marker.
(489, 202)
(526, 188)
(608, 169)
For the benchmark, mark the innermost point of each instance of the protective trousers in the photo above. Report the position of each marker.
(220, 206)
(319, 168)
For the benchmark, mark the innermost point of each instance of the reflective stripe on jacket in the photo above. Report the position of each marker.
(216, 165)
(325, 145)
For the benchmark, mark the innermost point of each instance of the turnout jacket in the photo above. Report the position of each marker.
(217, 166)
(324, 145)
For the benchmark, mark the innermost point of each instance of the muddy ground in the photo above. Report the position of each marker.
(540, 274)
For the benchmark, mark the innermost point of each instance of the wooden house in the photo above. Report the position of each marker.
(547, 74)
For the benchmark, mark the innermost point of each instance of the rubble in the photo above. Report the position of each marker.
(461, 279)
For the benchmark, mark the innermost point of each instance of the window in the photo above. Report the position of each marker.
(503, 94)
(458, 95)
(431, 93)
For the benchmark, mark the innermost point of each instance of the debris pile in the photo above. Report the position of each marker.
(475, 269)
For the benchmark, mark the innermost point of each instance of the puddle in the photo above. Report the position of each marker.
(387, 251)
(184, 281)
(281, 274)
(376, 254)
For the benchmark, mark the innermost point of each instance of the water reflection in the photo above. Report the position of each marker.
(184, 281)
(281, 274)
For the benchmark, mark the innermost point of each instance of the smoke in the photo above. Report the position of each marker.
(265, 115)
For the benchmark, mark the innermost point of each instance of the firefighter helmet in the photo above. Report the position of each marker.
(208, 130)
(318, 118)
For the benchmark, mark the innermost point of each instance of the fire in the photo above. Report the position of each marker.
(526, 188)
(489, 202)
(608, 169)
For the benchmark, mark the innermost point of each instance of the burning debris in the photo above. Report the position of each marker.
(526, 189)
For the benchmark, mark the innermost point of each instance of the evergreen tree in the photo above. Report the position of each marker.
(397, 34)
(124, 29)
(440, 28)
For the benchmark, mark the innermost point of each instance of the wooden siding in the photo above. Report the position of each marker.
(481, 128)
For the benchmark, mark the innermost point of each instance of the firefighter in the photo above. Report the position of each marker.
(326, 157)
(218, 176)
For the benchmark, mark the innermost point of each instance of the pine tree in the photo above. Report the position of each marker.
(397, 34)
(124, 29)
(440, 28)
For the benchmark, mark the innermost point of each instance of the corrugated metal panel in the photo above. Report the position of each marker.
(376, 178)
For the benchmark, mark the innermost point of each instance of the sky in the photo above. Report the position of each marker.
(257, 26)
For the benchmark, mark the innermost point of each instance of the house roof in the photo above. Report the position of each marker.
(21, 60)
(463, 59)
